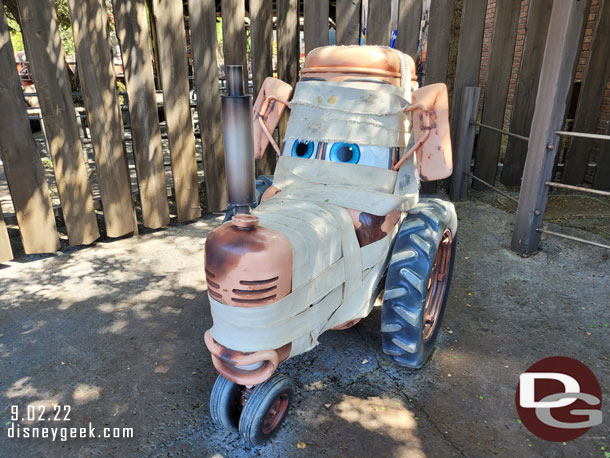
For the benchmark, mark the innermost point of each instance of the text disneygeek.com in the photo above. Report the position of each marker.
(56, 414)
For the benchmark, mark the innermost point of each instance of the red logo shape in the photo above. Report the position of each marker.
(559, 399)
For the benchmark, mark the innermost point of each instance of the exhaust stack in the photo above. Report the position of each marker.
(238, 141)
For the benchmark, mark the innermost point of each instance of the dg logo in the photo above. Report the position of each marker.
(559, 399)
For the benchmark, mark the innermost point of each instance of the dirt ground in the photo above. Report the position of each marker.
(116, 332)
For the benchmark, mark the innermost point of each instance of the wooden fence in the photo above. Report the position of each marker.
(22, 163)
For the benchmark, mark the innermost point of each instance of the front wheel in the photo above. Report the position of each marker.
(225, 404)
(265, 409)
(417, 283)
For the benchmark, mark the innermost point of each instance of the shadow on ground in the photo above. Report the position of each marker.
(116, 332)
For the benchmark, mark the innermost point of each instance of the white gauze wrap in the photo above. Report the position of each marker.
(333, 278)
(362, 112)
(356, 112)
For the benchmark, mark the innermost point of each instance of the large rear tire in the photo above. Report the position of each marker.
(418, 281)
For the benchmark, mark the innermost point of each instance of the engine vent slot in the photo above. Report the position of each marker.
(257, 282)
(252, 292)
(260, 300)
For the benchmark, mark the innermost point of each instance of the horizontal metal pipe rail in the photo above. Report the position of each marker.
(504, 132)
(583, 134)
(577, 188)
(490, 186)
(571, 237)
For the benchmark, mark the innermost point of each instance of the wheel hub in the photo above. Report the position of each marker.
(275, 413)
(437, 285)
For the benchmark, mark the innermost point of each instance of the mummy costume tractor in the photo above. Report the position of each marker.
(310, 249)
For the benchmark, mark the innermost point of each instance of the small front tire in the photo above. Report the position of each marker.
(266, 409)
(225, 404)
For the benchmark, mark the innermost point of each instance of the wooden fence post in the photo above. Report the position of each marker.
(174, 75)
(348, 22)
(132, 31)
(6, 253)
(96, 71)
(464, 141)
(204, 43)
(315, 23)
(559, 54)
(261, 34)
(525, 93)
(590, 100)
(20, 157)
(48, 65)
(496, 86)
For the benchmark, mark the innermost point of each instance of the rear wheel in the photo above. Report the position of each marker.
(418, 281)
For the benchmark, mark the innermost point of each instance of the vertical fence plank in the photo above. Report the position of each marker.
(6, 253)
(204, 43)
(437, 64)
(98, 83)
(378, 24)
(348, 22)
(154, 42)
(261, 34)
(496, 86)
(469, 56)
(22, 164)
(234, 33)
(287, 48)
(527, 87)
(409, 23)
(48, 65)
(590, 100)
(566, 23)
(464, 142)
(315, 24)
(602, 173)
(132, 31)
(174, 75)
(439, 37)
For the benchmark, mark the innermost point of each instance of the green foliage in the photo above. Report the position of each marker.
(65, 26)
(63, 19)
(15, 33)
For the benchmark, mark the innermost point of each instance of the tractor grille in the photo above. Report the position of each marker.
(249, 293)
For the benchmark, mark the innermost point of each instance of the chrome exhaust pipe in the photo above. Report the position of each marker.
(238, 142)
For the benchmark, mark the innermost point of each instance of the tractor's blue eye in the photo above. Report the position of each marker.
(302, 149)
(348, 153)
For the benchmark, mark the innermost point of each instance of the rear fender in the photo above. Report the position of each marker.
(434, 157)
(268, 110)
